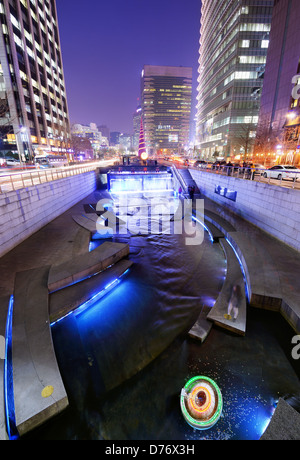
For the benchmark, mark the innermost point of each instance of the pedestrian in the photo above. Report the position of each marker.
(180, 191)
(234, 302)
(193, 192)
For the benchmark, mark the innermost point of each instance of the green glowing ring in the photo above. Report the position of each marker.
(200, 424)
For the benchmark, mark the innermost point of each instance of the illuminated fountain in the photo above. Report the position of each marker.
(141, 177)
(201, 403)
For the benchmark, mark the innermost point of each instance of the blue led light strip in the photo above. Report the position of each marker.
(120, 192)
(8, 377)
(89, 303)
(242, 268)
(205, 228)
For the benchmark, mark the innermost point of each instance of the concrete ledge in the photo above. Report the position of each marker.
(79, 268)
(88, 222)
(234, 276)
(263, 278)
(4, 302)
(284, 425)
(202, 327)
(35, 368)
(263, 283)
(69, 299)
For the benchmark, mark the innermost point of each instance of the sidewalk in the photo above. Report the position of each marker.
(273, 267)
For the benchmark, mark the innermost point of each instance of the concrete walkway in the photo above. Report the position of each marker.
(272, 269)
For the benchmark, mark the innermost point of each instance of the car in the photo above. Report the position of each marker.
(259, 168)
(199, 164)
(12, 161)
(282, 172)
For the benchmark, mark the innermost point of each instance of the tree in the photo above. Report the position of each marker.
(243, 140)
(81, 145)
(267, 139)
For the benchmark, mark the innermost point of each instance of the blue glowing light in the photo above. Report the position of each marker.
(93, 300)
(120, 192)
(242, 268)
(205, 228)
(8, 377)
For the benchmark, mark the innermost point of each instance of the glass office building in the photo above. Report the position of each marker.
(233, 50)
(278, 137)
(33, 105)
(166, 106)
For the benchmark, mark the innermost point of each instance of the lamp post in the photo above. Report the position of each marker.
(22, 130)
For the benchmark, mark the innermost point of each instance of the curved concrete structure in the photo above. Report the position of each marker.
(36, 393)
(39, 393)
(270, 268)
(284, 425)
(219, 311)
(66, 300)
(4, 302)
(88, 264)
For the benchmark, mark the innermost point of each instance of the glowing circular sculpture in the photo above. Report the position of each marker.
(144, 156)
(201, 403)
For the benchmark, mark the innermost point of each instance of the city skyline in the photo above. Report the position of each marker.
(104, 86)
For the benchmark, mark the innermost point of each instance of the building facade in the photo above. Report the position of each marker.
(91, 133)
(278, 133)
(233, 51)
(34, 117)
(166, 97)
(136, 127)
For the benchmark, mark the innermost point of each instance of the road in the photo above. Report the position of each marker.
(15, 179)
(286, 183)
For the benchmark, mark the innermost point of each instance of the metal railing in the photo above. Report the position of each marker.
(284, 178)
(22, 179)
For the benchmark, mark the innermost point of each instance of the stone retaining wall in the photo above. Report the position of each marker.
(272, 208)
(25, 211)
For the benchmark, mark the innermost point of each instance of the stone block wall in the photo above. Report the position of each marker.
(272, 208)
(25, 211)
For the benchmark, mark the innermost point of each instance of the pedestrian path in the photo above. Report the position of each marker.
(271, 268)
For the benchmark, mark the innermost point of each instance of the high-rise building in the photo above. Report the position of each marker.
(233, 51)
(114, 138)
(166, 106)
(34, 115)
(136, 127)
(279, 120)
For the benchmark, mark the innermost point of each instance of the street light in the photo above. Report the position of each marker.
(22, 130)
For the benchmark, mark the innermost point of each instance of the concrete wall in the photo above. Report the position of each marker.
(270, 207)
(25, 211)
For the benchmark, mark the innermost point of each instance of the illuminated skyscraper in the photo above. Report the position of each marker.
(279, 120)
(166, 106)
(34, 115)
(233, 51)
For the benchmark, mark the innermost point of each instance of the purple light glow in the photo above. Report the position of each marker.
(104, 89)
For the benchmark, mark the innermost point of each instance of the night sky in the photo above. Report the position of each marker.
(106, 43)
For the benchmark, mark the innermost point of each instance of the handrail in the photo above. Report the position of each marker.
(179, 177)
(249, 173)
(29, 178)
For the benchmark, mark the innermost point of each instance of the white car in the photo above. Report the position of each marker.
(282, 172)
(12, 161)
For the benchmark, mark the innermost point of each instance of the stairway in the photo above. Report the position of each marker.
(186, 181)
